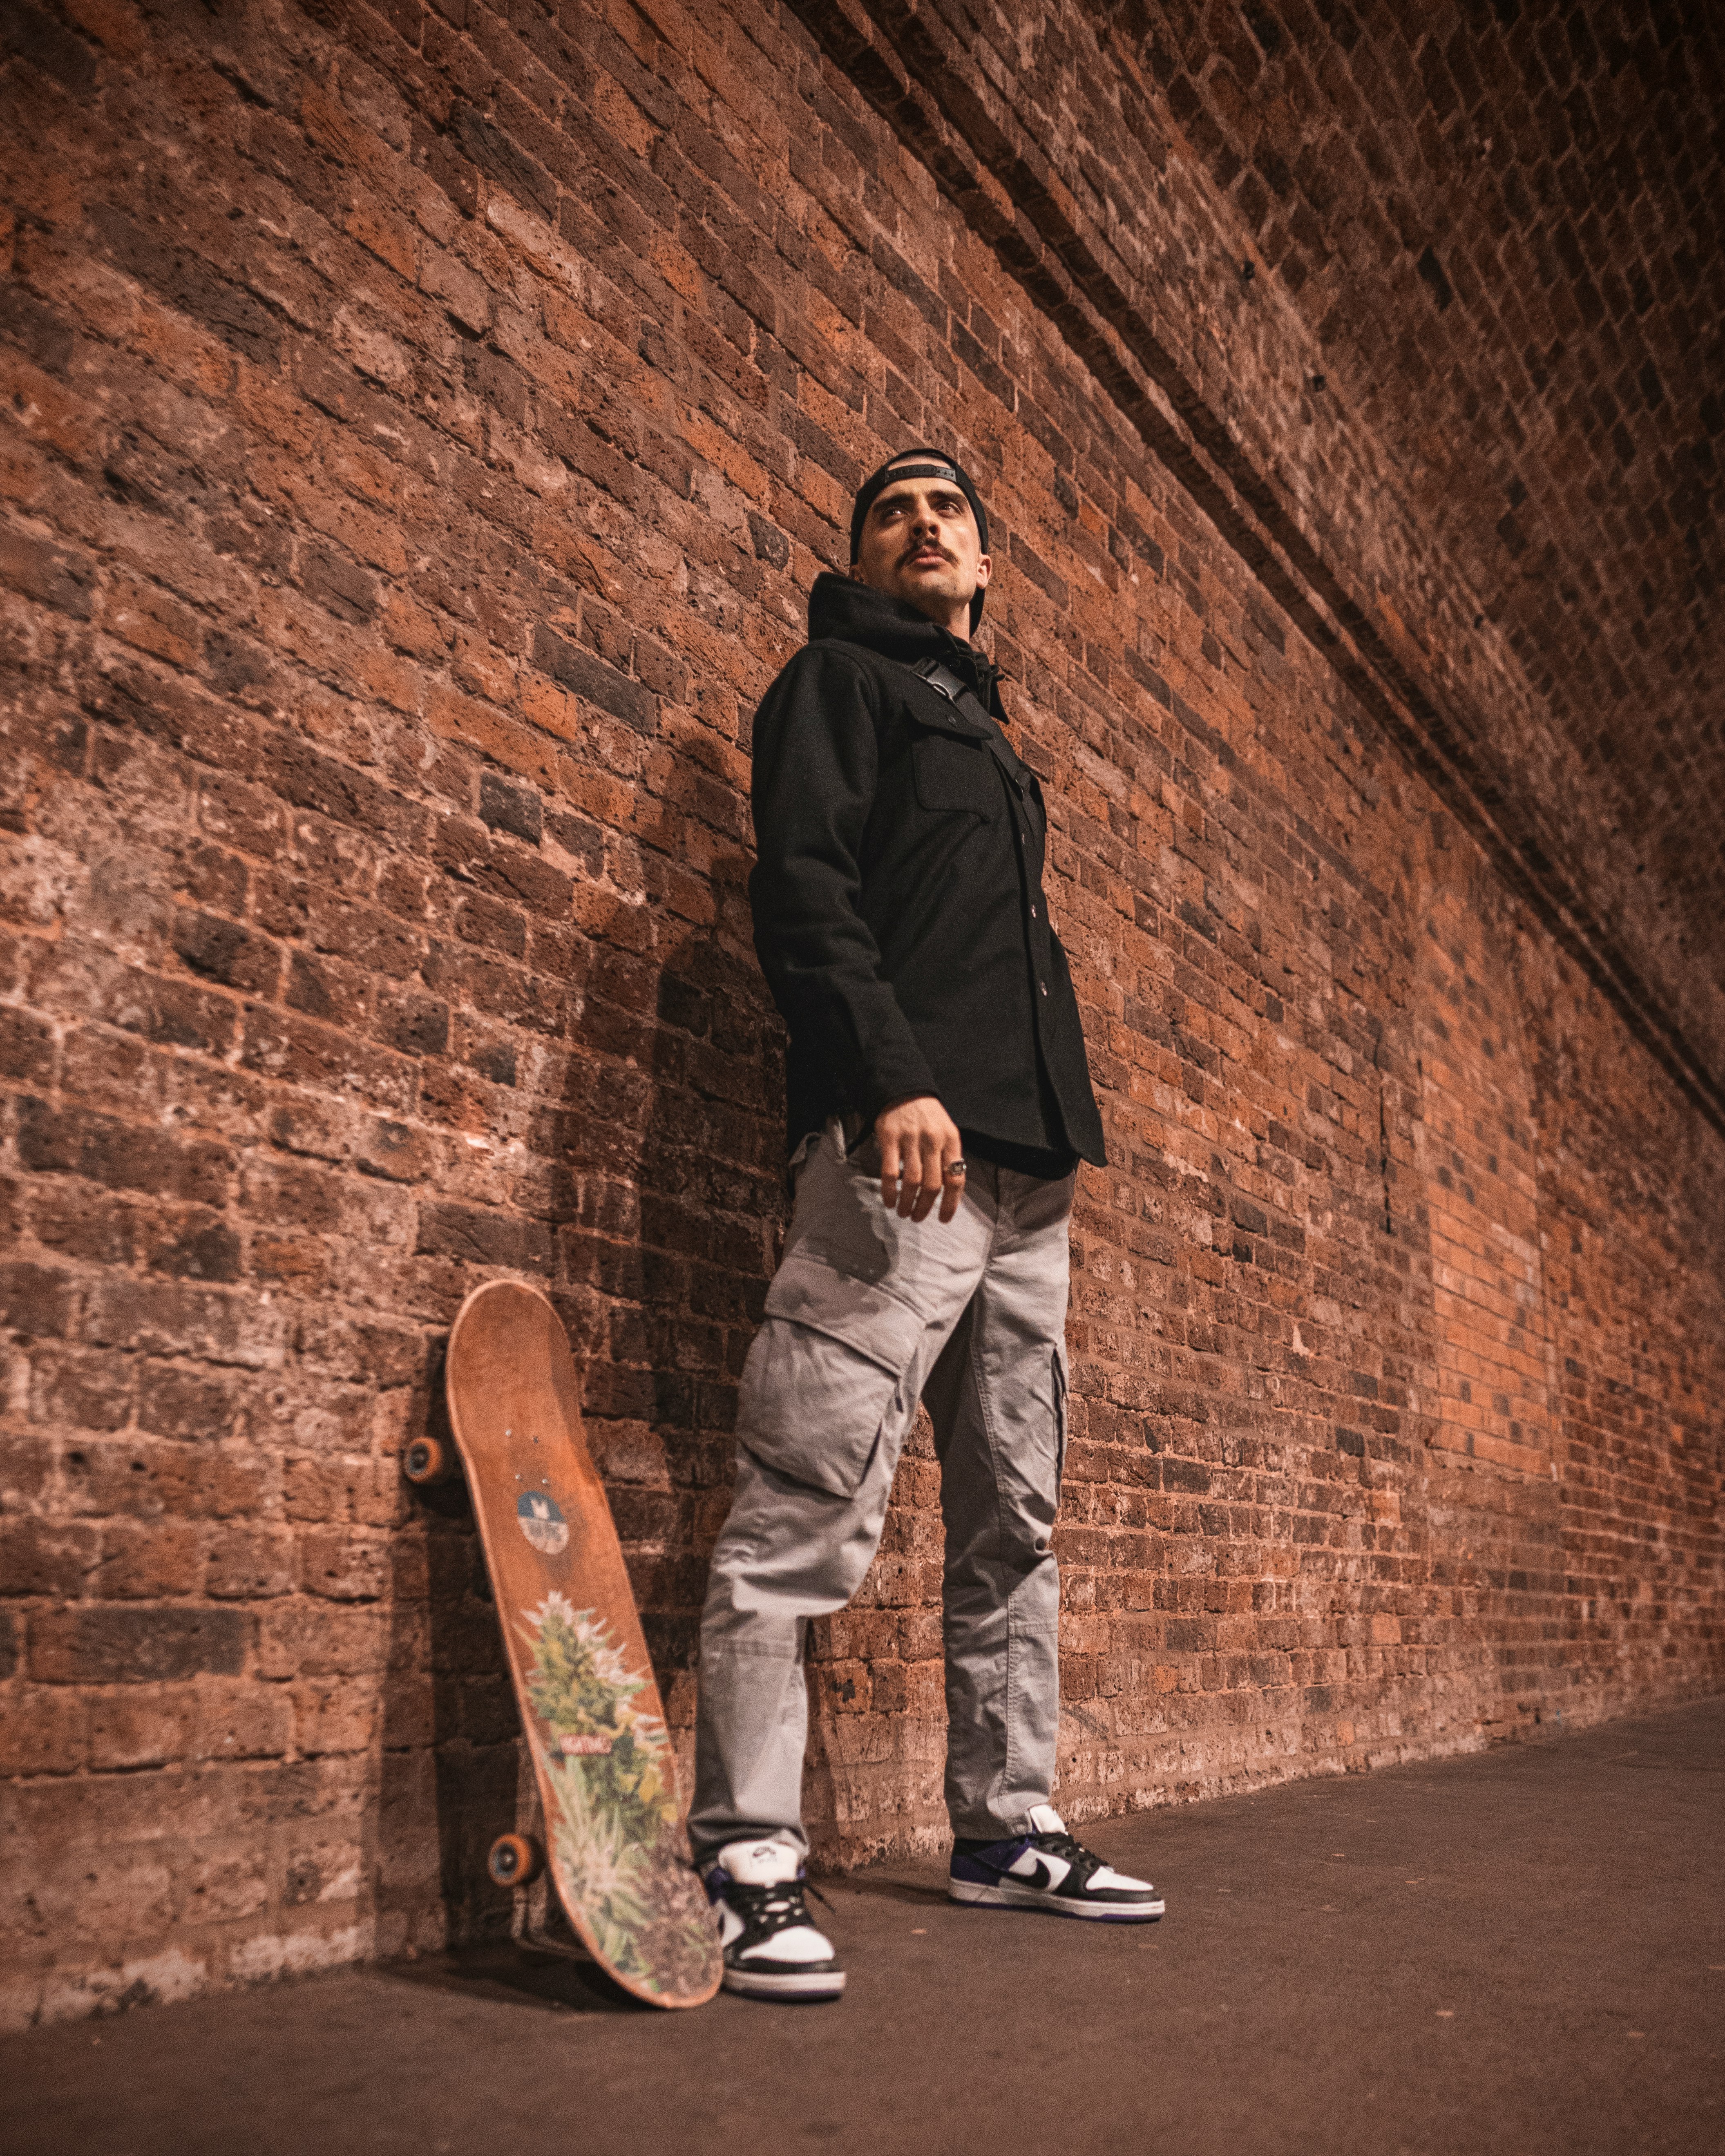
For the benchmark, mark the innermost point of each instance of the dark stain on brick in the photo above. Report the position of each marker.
(223, 951)
(191, 285)
(59, 577)
(590, 677)
(1432, 271)
(25, 322)
(486, 146)
(770, 543)
(510, 807)
(128, 1645)
(482, 1238)
(48, 46)
(211, 1252)
(417, 1025)
(339, 583)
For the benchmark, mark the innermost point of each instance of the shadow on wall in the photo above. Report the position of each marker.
(657, 1179)
(448, 1773)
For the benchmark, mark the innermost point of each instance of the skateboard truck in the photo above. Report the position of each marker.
(536, 1920)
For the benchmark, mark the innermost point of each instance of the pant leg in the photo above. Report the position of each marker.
(788, 1551)
(997, 1400)
(860, 1309)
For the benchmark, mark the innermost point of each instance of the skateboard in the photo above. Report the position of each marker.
(602, 1765)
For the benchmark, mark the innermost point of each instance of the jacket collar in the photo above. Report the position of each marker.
(849, 612)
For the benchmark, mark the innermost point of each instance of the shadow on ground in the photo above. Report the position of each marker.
(1521, 1951)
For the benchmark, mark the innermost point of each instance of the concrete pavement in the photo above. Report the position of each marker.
(1522, 1950)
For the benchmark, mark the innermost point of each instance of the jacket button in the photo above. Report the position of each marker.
(1033, 913)
(1042, 985)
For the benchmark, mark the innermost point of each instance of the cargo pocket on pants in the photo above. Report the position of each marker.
(824, 1375)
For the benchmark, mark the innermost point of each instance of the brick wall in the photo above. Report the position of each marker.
(421, 429)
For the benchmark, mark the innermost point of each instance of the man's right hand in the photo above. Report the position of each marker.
(918, 1138)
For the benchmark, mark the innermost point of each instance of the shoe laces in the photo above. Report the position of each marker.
(776, 1907)
(1083, 1861)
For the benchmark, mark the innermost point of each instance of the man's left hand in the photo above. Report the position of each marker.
(920, 1147)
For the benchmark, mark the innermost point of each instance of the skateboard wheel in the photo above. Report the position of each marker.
(515, 1860)
(427, 1461)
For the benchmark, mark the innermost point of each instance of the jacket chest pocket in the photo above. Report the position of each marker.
(955, 772)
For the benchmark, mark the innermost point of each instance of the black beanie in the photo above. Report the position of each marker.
(934, 464)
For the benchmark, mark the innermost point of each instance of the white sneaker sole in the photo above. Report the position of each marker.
(1053, 1905)
(809, 1983)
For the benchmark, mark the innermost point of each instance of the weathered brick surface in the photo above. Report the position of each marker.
(421, 428)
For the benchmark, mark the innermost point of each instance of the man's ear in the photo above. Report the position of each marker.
(984, 569)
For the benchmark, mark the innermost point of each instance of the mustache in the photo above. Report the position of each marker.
(927, 547)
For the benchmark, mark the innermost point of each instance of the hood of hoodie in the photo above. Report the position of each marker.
(840, 608)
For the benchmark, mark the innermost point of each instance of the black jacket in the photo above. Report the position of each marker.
(897, 895)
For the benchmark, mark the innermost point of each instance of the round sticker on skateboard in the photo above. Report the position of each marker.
(540, 1520)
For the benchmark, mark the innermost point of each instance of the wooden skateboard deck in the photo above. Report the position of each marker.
(590, 1708)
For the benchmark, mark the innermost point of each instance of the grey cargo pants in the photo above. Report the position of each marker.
(866, 1313)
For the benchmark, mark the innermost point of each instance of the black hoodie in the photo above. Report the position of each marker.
(897, 895)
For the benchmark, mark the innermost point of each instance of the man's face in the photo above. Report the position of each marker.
(920, 542)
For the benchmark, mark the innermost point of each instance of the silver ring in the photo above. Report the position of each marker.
(954, 1172)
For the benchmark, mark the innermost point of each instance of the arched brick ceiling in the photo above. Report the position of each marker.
(1503, 219)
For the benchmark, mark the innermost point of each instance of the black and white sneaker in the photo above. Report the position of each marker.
(1048, 1869)
(771, 1949)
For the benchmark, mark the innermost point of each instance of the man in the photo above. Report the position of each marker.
(939, 1103)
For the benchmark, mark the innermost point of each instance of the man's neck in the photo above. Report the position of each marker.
(957, 625)
(958, 628)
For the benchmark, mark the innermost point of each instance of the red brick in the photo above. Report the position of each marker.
(44, 1730)
(333, 1718)
(318, 1640)
(343, 1566)
(224, 1889)
(145, 1561)
(60, 577)
(128, 1645)
(73, 1388)
(103, 1149)
(27, 1048)
(142, 1726)
(222, 951)
(35, 1300)
(249, 1564)
(178, 1320)
(242, 1722)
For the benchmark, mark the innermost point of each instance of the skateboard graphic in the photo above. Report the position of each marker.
(602, 1762)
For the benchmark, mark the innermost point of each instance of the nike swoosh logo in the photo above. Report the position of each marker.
(1044, 1876)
